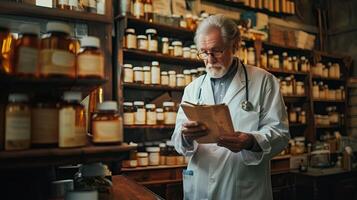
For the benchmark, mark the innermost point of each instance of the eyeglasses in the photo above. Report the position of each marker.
(205, 55)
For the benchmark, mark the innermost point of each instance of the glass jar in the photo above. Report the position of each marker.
(154, 155)
(315, 90)
(152, 39)
(295, 64)
(100, 7)
(57, 55)
(303, 64)
(270, 59)
(177, 48)
(155, 73)
(128, 73)
(337, 70)
(193, 51)
(321, 90)
(92, 8)
(130, 39)
(72, 121)
(186, 52)
(148, 10)
(318, 69)
(194, 74)
(171, 51)
(283, 86)
(44, 133)
(160, 117)
(62, 4)
(142, 42)
(292, 116)
(290, 64)
(285, 61)
(302, 117)
(170, 156)
(150, 114)
(164, 78)
(289, 86)
(26, 51)
(138, 75)
(140, 113)
(172, 78)
(180, 80)
(147, 74)
(169, 113)
(332, 71)
(143, 159)
(7, 42)
(189, 21)
(276, 64)
(165, 45)
(325, 72)
(17, 123)
(251, 56)
(107, 124)
(93, 177)
(90, 60)
(263, 60)
(300, 90)
(129, 112)
(163, 153)
(187, 75)
(138, 9)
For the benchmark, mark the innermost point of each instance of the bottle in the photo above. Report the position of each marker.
(27, 51)
(107, 124)
(138, 75)
(72, 121)
(172, 78)
(180, 80)
(128, 73)
(150, 114)
(251, 56)
(270, 59)
(57, 57)
(101, 7)
(187, 75)
(17, 123)
(164, 78)
(155, 73)
(90, 59)
(152, 39)
(285, 61)
(147, 74)
(178, 51)
(62, 4)
(130, 39)
(129, 112)
(73, 5)
(140, 113)
(7, 42)
(142, 42)
(169, 113)
(92, 6)
(148, 11)
(165, 45)
(160, 117)
(138, 10)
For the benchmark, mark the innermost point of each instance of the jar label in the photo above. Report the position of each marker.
(107, 131)
(138, 9)
(101, 7)
(164, 80)
(92, 3)
(148, 8)
(70, 134)
(90, 65)
(151, 118)
(128, 75)
(170, 117)
(44, 132)
(160, 116)
(187, 79)
(153, 45)
(63, 2)
(129, 118)
(154, 158)
(142, 44)
(147, 77)
(57, 62)
(138, 76)
(131, 41)
(73, 3)
(28, 60)
(155, 75)
(165, 48)
(18, 125)
(140, 117)
(84, 3)
(172, 81)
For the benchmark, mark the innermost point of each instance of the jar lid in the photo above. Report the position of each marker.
(180, 76)
(142, 37)
(165, 39)
(193, 50)
(155, 63)
(201, 69)
(137, 68)
(159, 110)
(177, 43)
(92, 170)
(251, 49)
(58, 27)
(145, 68)
(108, 105)
(276, 56)
(186, 49)
(128, 103)
(289, 58)
(172, 72)
(169, 143)
(162, 145)
(150, 106)
(82, 195)
(195, 17)
(300, 83)
(189, 15)
(193, 71)
(270, 52)
(186, 71)
(30, 29)
(16, 97)
(128, 66)
(72, 96)
(164, 73)
(132, 144)
(142, 154)
(61, 187)
(90, 41)
(294, 57)
(193, 46)
(168, 103)
(302, 58)
(130, 30)
(285, 54)
(151, 31)
(138, 103)
(152, 149)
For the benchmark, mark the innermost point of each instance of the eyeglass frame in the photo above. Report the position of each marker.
(211, 53)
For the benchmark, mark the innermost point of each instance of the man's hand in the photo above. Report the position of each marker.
(238, 142)
(192, 130)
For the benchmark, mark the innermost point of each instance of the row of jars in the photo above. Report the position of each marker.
(56, 54)
(153, 75)
(61, 124)
(137, 113)
(153, 154)
(322, 91)
(278, 6)
(297, 115)
(290, 86)
(152, 43)
(332, 117)
(91, 6)
(326, 71)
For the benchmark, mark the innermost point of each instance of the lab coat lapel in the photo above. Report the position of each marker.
(207, 92)
(237, 85)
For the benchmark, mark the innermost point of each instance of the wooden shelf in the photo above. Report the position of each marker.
(153, 168)
(280, 71)
(149, 126)
(294, 98)
(26, 10)
(333, 126)
(56, 156)
(293, 125)
(152, 87)
(328, 101)
(340, 80)
(133, 54)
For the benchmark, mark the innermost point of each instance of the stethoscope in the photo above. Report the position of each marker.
(245, 104)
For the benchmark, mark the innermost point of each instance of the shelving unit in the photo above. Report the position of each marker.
(149, 126)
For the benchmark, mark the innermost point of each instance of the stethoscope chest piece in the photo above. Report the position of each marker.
(246, 105)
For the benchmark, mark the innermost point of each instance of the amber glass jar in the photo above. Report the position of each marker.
(140, 113)
(26, 51)
(57, 57)
(107, 125)
(148, 10)
(72, 121)
(150, 114)
(17, 123)
(90, 59)
(169, 113)
(129, 112)
(7, 44)
(130, 39)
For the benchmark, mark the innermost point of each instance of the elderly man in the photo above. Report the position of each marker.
(238, 166)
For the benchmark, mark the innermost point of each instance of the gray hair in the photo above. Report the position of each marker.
(229, 30)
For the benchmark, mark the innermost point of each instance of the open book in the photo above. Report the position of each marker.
(215, 117)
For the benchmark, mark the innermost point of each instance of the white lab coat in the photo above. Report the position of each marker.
(220, 174)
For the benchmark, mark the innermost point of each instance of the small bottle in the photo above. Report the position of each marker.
(276, 64)
(194, 74)
(186, 52)
(292, 115)
(315, 90)
(303, 64)
(165, 45)
(177, 48)
(155, 73)
(300, 88)
(163, 153)
(193, 52)
(171, 51)
(172, 78)
(73, 5)
(150, 114)
(148, 10)
(285, 61)
(7, 42)
(27, 51)
(17, 123)
(92, 6)
(142, 42)
(152, 40)
(107, 124)
(180, 80)
(128, 73)
(290, 64)
(138, 75)
(138, 10)
(187, 74)
(337, 70)
(183, 23)
(100, 7)
(90, 59)
(140, 113)
(154, 155)
(251, 56)
(143, 159)
(129, 112)
(302, 118)
(62, 4)
(160, 116)
(130, 39)
(263, 60)
(169, 113)
(72, 122)
(270, 59)
(164, 78)
(295, 64)
(147, 74)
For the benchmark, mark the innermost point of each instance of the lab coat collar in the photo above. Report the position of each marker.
(207, 92)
